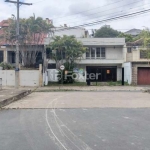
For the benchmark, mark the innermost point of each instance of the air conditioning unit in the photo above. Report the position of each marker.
(135, 47)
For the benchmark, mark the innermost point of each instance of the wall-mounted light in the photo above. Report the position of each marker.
(108, 71)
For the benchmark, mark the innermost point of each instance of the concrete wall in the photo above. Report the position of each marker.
(26, 78)
(113, 56)
(114, 53)
(102, 41)
(128, 72)
(8, 77)
(29, 78)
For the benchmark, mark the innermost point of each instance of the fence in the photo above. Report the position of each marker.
(27, 78)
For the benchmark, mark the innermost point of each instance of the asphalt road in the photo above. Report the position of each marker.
(75, 129)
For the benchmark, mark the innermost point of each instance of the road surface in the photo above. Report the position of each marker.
(90, 121)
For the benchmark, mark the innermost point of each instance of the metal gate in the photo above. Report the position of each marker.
(144, 76)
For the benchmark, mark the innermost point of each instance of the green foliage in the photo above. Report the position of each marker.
(66, 48)
(31, 30)
(145, 36)
(32, 34)
(106, 32)
(128, 38)
(6, 66)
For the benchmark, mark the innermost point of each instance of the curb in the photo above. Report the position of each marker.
(14, 98)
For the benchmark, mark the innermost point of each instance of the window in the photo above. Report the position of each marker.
(103, 52)
(92, 53)
(96, 53)
(88, 53)
(143, 54)
(129, 50)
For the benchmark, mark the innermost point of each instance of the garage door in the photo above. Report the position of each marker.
(143, 76)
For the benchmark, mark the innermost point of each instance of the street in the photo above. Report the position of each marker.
(77, 121)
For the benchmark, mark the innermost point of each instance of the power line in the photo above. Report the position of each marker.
(87, 10)
(118, 17)
(105, 15)
(103, 11)
(109, 19)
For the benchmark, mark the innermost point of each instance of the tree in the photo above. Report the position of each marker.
(32, 33)
(106, 32)
(128, 37)
(145, 36)
(67, 49)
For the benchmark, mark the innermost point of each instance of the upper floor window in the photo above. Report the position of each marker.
(129, 50)
(96, 53)
(88, 53)
(143, 54)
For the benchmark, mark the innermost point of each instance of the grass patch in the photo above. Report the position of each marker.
(70, 84)
(118, 83)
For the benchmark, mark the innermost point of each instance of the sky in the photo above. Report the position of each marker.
(78, 12)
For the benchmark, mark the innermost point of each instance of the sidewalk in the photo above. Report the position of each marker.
(93, 88)
(10, 95)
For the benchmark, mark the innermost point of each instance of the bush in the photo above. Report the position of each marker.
(67, 80)
(6, 66)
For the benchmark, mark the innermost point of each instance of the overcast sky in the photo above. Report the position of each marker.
(87, 11)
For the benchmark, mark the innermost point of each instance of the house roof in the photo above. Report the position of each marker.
(135, 43)
(96, 41)
(134, 32)
(102, 41)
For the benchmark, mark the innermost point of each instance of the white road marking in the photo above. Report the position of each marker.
(77, 138)
(59, 127)
(46, 117)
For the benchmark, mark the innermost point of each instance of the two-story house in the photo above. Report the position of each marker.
(104, 56)
(139, 63)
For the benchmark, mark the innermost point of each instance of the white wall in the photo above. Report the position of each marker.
(77, 32)
(26, 77)
(113, 56)
(52, 75)
(119, 73)
(114, 53)
(29, 78)
(8, 77)
(128, 72)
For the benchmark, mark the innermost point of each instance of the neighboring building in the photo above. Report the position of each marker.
(139, 63)
(7, 49)
(104, 56)
(75, 31)
(134, 32)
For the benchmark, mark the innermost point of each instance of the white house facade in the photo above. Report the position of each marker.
(104, 57)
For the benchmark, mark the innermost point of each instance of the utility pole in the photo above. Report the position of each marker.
(17, 40)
